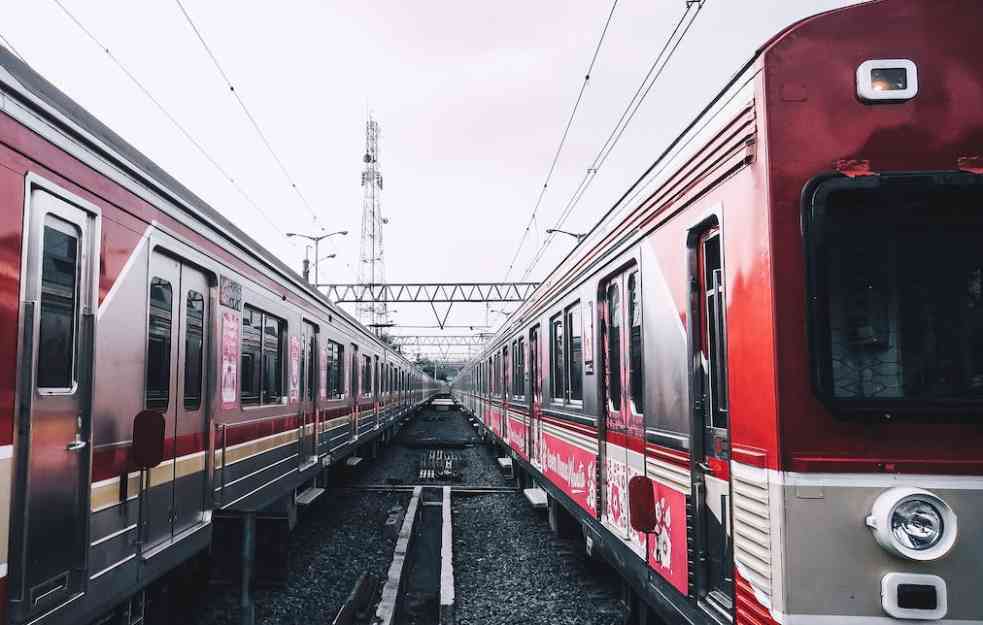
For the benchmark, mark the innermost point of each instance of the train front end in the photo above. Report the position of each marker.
(875, 151)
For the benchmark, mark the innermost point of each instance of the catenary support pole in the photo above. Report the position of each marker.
(247, 606)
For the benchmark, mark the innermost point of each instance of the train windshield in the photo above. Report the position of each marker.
(897, 292)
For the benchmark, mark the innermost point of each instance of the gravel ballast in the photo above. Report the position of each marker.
(336, 540)
(510, 568)
(434, 430)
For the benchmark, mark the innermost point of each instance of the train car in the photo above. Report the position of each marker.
(128, 294)
(757, 384)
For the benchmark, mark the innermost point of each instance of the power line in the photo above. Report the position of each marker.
(170, 117)
(10, 46)
(563, 139)
(655, 71)
(252, 119)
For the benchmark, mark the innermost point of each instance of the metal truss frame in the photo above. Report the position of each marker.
(432, 293)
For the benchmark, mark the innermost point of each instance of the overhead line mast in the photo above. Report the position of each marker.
(371, 266)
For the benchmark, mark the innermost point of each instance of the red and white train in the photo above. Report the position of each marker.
(125, 292)
(758, 383)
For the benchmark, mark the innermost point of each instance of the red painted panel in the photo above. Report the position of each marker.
(572, 469)
(805, 138)
(518, 432)
(11, 234)
(667, 553)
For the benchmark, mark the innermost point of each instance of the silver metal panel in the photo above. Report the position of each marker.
(190, 491)
(834, 566)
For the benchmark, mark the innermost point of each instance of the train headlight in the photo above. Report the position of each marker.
(913, 523)
(887, 80)
(916, 524)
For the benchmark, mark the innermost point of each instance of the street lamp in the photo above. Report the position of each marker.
(316, 238)
(580, 236)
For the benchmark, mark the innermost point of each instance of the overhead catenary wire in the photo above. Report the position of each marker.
(563, 140)
(653, 74)
(184, 131)
(246, 111)
(10, 46)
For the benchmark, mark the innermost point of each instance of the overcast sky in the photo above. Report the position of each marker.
(471, 96)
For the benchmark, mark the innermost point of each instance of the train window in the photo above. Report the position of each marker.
(308, 368)
(261, 349)
(506, 371)
(59, 307)
(336, 370)
(893, 329)
(158, 387)
(520, 368)
(613, 330)
(574, 364)
(272, 349)
(636, 381)
(194, 336)
(557, 388)
(713, 313)
(366, 376)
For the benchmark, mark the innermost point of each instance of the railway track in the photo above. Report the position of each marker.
(384, 545)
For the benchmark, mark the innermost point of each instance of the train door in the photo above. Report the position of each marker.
(50, 540)
(506, 391)
(535, 400)
(308, 388)
(712, 454)
(177, 316)
(624, 427)
(354, 391)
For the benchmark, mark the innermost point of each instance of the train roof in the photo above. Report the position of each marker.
(86, 128)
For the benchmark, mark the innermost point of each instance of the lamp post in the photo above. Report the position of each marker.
(580, 236)
(316, 239)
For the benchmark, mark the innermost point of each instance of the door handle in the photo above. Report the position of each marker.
(78, 443)
(706, 468)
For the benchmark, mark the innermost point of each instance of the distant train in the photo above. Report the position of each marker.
(757, 384)
(126, 293)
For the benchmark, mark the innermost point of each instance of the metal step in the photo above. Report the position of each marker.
(309, 495)
(536, 497)
(352, 460)
(505, 463)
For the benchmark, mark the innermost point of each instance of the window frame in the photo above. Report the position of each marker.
(568, 312)
(73, 230)
(283, 328)
(558, 392)
(815, 199)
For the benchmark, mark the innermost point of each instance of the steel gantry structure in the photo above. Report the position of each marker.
(432, 293)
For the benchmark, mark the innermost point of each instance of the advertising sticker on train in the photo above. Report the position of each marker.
(294, 368)
(230, 293)
(230, 358)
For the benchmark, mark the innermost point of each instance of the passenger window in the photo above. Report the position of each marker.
(194, 335)
(262, 345)
(159, 345)
(308, 368)
(614, 346)
(366, 376)
(575, 357)
(635, 378)
(59, 308)
(336, 370)
(557, 388)
(715, 354)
